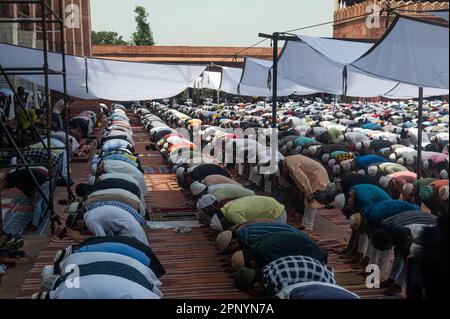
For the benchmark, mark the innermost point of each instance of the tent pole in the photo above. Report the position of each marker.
(275, 80)
(48, 110)
(419, 135)
(274, 100)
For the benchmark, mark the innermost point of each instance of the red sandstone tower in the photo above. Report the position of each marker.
(351, 24)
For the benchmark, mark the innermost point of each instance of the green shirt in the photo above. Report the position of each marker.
(228, 191)
(283, 244)
(250, 208)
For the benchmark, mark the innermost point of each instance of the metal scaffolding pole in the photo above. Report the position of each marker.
(48, 16)
(66, 106)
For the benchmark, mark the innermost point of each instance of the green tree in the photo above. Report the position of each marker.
(107, 38)
(143, 34)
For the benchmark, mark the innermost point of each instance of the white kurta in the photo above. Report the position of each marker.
(114, 221)
(102, 287)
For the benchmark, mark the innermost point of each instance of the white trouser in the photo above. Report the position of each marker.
(396, 272)
(363, 243)
(383, 260)
(282, 219)
(309, 217)
(241, 169)
(253, 176)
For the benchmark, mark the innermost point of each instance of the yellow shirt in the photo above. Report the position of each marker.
(250, 208)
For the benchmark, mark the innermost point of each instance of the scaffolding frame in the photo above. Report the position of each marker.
(47, 16)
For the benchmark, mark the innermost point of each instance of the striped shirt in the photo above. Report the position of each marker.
(120, 205)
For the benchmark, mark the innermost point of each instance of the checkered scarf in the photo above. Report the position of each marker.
(41, 156)
(343, 157)
(293, 270)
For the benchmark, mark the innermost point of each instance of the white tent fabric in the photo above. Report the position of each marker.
(211, 80)
(231, 78)
(258, 73)
(106, 79)
(320, 63)
(413, 51)
(405, 91)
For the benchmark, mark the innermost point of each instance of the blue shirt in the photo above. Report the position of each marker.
(251, 233)
(117, 248)
(365, 161)
(378, 212)
(367, 194)
(320, 292)
(302, 141)
(118, 157)
(371, 126)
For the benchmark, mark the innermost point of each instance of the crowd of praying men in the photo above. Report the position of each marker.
(359, 158)
(111, 257)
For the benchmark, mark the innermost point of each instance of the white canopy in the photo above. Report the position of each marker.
(89, 78)
(231, 78)
(323, 64)
(413, 51)
(211, 80)
(258, 73)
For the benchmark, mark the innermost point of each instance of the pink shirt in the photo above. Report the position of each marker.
(402, 178)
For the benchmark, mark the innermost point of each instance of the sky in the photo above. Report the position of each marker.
(213, 22)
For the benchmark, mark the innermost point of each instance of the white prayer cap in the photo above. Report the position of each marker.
(361, 172)
(393, 157)
(426, 164)
(74, 207)
(444, 174)
(180, 171)
(410, 160)
(372, 170)
(48, 278)
(216, 224)
(347, 165)
(331, 162)
(166, 145)
(206, 201)
(337, 169)
(384, 181)
(407, 189)
(313, 149)
(91, 180)
(358, 146)
(325, 157)
(197, 188)
(339, 201)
